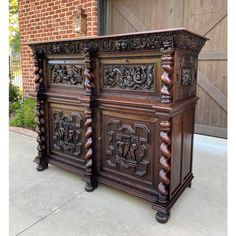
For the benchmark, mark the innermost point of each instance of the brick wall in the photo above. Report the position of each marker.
(42, 20)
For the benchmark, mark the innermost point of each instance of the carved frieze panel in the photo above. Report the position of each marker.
(127, 147)
(130, 77)
(67, 74)
(67, 132)
(172, 39)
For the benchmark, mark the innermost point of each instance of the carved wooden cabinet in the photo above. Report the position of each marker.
(120, 110)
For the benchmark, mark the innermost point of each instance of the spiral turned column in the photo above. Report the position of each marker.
(40, 159)
(167, 60)
(89, 151)
(164, 173)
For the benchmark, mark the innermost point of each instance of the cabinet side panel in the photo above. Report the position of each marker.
(176, 152)
(185, 75)
(188, 121)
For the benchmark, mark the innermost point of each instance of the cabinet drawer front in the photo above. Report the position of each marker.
(65, 73)
(130, 75)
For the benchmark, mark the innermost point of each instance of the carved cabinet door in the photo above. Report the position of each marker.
(127, 147)
(66, 133)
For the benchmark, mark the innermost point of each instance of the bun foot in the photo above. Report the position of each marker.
(190, 185)
(42, 167)
(90, 187)
(162, 217)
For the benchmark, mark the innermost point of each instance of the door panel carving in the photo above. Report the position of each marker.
(66, 135)
(127, 146)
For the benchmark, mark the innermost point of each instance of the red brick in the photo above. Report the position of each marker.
(44, 20)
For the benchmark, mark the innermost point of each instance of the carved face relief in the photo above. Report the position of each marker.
(127, 147)
(134, 77)
(186, 77)
(67, 74)
(67, 133)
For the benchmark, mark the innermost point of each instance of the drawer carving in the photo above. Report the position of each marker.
(67, 133)
(67, 74)
(127, 146)
(133, 77)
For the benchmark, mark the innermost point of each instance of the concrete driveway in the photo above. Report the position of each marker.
(54, 203)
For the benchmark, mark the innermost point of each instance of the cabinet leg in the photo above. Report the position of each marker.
(90, 187)
(90, 179)
(162, 217)
(42, 163)
(190, 185)
(42, 166)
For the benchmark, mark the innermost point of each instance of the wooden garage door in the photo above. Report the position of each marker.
(206, 17)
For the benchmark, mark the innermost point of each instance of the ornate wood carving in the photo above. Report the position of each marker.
(167, 75)
(186, 75)
(129, 76)
(127, 147)
(89, 152)
(116, 138)
(173, 39)
(40, 159)
(67, 133)
(67, 74)
(165, 148)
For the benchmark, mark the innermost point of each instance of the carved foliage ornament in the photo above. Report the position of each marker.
(180, 39)
(67, 133)
(129, 76)
(67, 74)
(127, 147)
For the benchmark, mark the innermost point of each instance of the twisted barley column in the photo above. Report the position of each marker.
(165, 148)
(166, 77)
(40, 116)
(88, 85)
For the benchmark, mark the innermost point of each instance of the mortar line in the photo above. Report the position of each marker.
(36, 222)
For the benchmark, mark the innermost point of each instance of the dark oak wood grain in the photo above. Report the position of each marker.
(120, 110)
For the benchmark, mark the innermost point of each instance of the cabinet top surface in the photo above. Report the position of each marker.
(156, 39)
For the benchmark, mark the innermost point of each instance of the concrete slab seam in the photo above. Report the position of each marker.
(56, 209)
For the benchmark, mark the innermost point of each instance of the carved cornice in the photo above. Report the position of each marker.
(171, 39)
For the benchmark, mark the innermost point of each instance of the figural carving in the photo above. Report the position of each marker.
(127, 146)
(186, 77)
(67, 74)
(129, 77)
(67, 133)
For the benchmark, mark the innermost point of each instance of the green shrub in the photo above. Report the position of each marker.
(14, 91)
(25, 115)
(13, 107)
